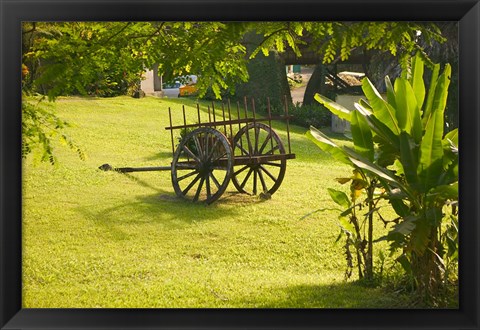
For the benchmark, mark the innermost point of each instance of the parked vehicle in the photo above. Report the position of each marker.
(189, 86)
(188, 90)
(171, 85)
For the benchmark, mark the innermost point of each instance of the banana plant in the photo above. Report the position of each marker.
(399, 141)
(363, 187)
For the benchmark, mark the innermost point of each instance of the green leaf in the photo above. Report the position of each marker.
(339, 236)
(404, 99)
(347, 211)
(398, 168)
(431, 147)
(343, 180)
(339, 197)
(365, 105)
(420, 236)
(362, 136)
(450, 149)
(400, 208)
(431, 94)
(381, 172)
(406, 265)
(443, 193)
(381, 109)
(434, 216)
(374, 169)
(409, 158)
(431, 152)
(327, 145)
(379, 128)
(406, 226)
(417, 80)
(346, 225)
(338, 110)
(452, 136)
(407, 111)
(390, 92)
(441, 90)
(452, 246)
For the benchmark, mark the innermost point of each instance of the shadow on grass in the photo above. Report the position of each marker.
(228, 197)
(164, 156)
(331, 296)
(163, 208)
(188, 102)
(143, 183)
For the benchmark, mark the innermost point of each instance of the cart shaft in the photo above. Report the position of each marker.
(143, 169)
(107, 167)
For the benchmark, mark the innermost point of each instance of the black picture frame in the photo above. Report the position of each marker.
(13, 12)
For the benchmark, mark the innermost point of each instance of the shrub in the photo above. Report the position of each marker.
(311, 115)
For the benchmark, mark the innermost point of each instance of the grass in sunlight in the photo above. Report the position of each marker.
(105, 239)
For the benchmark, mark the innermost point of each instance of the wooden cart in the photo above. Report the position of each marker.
(245, 150)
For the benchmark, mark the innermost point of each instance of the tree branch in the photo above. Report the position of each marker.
(118, 32)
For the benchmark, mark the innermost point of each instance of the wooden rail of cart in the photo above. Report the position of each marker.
(245, 150)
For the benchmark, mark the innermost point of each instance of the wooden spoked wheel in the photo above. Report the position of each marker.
(202, 165)
(258, 152)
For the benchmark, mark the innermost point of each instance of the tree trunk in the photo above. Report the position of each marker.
(369, 260)
(427, 272)
(316, 84)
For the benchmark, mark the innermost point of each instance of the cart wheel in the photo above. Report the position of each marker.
(202, 165)
(258, 139)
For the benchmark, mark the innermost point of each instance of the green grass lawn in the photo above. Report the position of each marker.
(105, 239)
